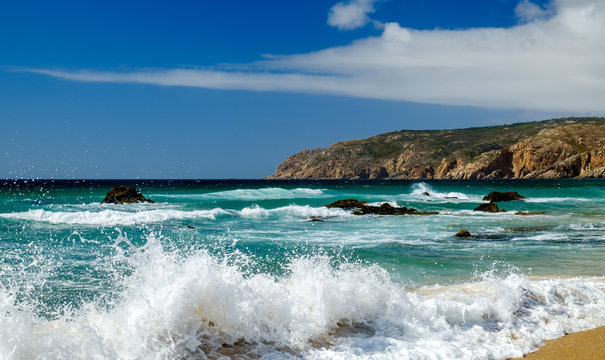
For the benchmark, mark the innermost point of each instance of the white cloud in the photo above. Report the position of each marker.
(527, 11)
(350, 15)
(555, 63)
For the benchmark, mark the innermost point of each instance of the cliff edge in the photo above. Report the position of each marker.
(559, 148)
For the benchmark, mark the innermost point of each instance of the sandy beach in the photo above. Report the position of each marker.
(584, 345)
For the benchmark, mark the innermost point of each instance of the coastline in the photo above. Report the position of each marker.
(584, 345)
(208, 254)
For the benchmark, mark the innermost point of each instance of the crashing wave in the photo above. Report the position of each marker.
(174, 307)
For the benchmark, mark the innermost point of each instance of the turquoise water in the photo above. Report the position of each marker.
(237, 268)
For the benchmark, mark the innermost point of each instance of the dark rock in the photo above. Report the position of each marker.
(496, 196)
(385, 209)
(529, 228)
(122, 194)
(426, 193)
(315, 219)
(530, 213)
(491, 237)
(463, 234)
(488, 207)
(346, 204)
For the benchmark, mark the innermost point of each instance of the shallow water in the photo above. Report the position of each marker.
(237, 268)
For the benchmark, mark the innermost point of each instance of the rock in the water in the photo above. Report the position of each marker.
(496, 196)
(315, 219)
(347, 204)
(463, 234)
(122, 194)
(384, 209)
(530, 213)
(488, 207)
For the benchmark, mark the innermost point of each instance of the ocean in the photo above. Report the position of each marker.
(237, 269)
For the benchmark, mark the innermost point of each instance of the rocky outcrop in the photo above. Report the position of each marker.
(361, 208)
(496, 196)
(488, 207)
(122, 194)
(562, 148)
(347, 204)
(490, 165)
(463, 234)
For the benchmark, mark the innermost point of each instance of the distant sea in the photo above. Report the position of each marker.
(238, 269)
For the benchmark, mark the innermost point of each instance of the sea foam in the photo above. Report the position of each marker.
(295, 211)
(271, 193)
(111, 217)
(423, 190)
(173, 306)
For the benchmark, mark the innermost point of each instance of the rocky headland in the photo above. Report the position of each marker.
(559, 148)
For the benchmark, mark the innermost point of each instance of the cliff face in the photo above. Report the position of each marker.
(559, 148)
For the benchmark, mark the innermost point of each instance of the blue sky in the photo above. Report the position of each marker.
(228, 89)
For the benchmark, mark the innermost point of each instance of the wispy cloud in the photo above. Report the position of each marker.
(528, 11)
(212, 79)
(545, 63)
(351, 14)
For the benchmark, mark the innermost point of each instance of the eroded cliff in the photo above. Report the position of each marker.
(560, 148)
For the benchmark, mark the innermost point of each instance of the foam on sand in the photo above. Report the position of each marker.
(585, 345)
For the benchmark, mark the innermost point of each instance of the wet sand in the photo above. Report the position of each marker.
(585, 345)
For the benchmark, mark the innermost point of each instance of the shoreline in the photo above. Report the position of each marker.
(582, 345)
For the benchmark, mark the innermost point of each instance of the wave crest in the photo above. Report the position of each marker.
(111, 217)
(174, 307)
(298, 211)
(425, 190)
(254, 194)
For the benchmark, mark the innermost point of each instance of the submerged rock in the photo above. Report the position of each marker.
(122, 194)
(528, 228)
(463, 234)
(315, 219)
(384, 209)
(489, 207)
(530, 213)
(496, 196)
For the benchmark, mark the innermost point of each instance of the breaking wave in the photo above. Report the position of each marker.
(254, 194)
(300, 211)
(424, 190)
(111, 217)
(129, 218)
(196, 306)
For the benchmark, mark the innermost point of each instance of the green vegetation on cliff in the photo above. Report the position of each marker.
(479, 152)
